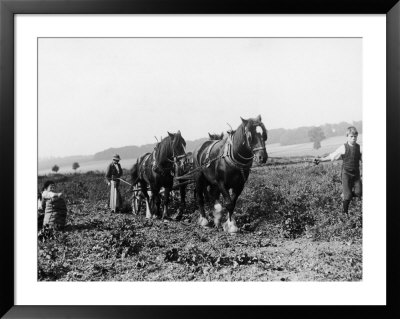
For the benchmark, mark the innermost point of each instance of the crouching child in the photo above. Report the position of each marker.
(55, 208)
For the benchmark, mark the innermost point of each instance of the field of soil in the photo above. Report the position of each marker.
(289, 215)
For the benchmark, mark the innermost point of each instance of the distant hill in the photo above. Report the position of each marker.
(136, 151)
(278, 136)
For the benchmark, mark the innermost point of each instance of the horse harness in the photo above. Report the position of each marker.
(229, 157)
(157, 168)
(207, 159)
(143, 165)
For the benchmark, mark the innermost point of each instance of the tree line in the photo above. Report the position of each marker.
(310, 133)
(56, 168)
(284, 137)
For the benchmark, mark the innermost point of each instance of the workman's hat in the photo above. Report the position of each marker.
(116, 157)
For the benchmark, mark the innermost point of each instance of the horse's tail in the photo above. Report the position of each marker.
(135, 173)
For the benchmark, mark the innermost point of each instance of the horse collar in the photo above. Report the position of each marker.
(228, 155)
(207, 159)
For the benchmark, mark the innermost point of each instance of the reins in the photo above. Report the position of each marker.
(227, 153)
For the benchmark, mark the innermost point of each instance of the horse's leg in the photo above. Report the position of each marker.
(230, 224)
(135, 203)
(207, 193)
(167, 192)
(182, 206)
(143, 186)
(139, 203)
(200, 186)
(209, 196)
(156, 202)
(215, 193)
(195, 193)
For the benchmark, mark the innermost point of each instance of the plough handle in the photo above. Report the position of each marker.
(124, 181)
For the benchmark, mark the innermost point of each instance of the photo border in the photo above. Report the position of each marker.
(7, 139)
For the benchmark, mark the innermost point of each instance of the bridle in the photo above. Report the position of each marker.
(177, 160)
(260, 148)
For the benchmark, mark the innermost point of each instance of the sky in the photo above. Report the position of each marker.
(97, 93)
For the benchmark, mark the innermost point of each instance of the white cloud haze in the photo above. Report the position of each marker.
(96, 93)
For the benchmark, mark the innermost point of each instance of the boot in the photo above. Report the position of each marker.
(346, 204)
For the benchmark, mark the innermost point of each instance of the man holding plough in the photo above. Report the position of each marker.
(350, 153)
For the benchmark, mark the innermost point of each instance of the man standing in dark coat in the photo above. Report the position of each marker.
(113, 173)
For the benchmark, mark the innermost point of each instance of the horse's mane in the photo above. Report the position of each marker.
(237, 137)
(164, 149)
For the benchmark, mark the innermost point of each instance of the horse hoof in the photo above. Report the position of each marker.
(217, 219)
(178, 216)
(203, 221)
(230, 227)
(218, 208)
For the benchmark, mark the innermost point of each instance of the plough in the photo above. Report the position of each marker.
(136, 190)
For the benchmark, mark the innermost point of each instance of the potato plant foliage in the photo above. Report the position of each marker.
(291, 229)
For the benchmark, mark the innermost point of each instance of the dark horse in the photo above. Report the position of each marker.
(157, 170)
(186, 165)
(225, 165)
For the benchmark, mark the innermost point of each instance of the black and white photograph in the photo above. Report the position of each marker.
(190, 159)
(200, 159)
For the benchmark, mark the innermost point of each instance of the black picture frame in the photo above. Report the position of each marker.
(8, 8)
